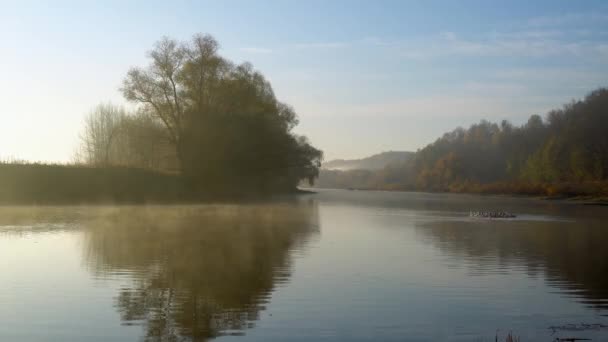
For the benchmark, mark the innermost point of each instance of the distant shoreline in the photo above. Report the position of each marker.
(41, 184)
(576, 199)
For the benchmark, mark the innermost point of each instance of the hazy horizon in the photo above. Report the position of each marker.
(363, 78)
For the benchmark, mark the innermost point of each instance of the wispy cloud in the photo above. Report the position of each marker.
(313, 46)
(548, 74)
(569, 35)
(569, 19)
(529, 67)
(521, 44)
(322, 45)
(256, 50)
(475, 102)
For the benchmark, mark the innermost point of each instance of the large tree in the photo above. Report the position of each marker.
(227, 127)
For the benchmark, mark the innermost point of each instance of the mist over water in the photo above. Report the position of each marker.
(333, 266)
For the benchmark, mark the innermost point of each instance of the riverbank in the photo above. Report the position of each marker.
(400, 180)
(62, 184)
(599, 198)
(74, 184)
(46, 184)
(588, 193)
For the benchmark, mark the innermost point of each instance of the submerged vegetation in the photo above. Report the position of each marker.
(564, 154)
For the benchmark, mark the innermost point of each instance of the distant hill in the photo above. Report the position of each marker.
(375, 162)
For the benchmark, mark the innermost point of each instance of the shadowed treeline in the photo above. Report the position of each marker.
(216, 123)
(200, 271)
(564, 154)
(44, 184)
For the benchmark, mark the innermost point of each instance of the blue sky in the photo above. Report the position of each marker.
(364, 76)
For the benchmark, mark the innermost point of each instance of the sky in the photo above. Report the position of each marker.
(364, 76)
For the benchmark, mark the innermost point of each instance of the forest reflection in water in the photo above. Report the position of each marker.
(571, 255)
(387, 265)
(197, 272)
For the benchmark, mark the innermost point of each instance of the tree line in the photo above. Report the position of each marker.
(216, 123)
(564, 153)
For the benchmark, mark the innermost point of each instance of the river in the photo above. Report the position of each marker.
(336, 265)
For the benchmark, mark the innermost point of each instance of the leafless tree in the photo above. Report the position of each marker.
(101, 129)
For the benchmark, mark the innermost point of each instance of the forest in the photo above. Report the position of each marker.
(563, 154)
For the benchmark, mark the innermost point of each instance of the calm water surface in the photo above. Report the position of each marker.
(333, 266)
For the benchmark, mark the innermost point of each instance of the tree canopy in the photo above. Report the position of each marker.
(228, 131)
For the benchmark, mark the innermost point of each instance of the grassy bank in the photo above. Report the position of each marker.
(24, 183)
(59, 184)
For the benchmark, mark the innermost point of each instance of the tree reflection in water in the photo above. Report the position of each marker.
(197, 271)
(572, 255)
